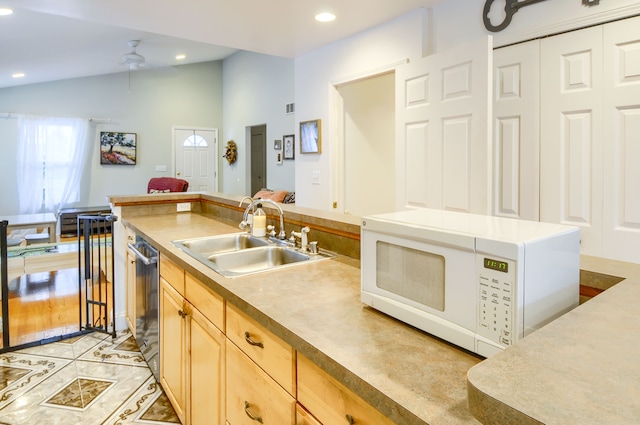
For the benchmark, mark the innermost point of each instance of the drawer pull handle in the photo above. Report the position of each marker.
(251, 415)
(247, 337)
(182, 314)
(350, 419)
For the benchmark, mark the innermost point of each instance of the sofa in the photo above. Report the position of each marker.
(167, 184)
(281, 196)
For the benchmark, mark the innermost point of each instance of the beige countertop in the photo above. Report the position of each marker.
(409, 376)
(582, 368)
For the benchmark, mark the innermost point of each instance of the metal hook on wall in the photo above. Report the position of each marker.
(510, 8)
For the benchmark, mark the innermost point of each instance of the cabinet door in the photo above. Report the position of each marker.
(305, 418)
(207, 371)
(173, 352)
(252, 396)
(330, 401)
(621, 216)
(571, 145)
(272, 354)
(516, 130)
(131, 291)
(442, 152)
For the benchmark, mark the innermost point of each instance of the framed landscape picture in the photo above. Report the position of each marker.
(117, 148)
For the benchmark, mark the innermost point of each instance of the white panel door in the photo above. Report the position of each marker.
(516, 131)
(621, 214)
(195, 158)
(442, 137)
(571, 134)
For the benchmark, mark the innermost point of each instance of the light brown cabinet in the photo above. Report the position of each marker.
(330, 401)
(261, 379)
(303, 417)
(131, 291)
(247, 377)
(173, 348)
(130, 283)
(273, 355)
(252, 395)
(192, 354)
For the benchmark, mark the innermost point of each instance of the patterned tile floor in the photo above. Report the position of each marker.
(87, 380)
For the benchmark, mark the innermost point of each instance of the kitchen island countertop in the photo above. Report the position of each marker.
(581, 369)
(410, 376)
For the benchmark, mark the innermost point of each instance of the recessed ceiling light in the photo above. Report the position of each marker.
(325, 17)
(18, 75)
(4, 11)
(181, 57)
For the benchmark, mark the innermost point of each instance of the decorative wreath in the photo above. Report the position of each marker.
(231, 152)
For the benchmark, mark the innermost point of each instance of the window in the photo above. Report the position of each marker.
(52, 153)
(195, 141)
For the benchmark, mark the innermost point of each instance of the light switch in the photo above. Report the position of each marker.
(315, 177)
(161, 168)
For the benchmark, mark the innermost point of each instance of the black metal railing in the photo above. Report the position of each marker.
(4, 282)
(96, 285)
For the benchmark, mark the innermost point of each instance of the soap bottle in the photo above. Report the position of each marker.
(259, 227)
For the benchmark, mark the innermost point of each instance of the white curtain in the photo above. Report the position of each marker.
(52, 152)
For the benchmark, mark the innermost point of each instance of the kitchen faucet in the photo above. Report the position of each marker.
(302, 234)
(281, 235)
(246, 197)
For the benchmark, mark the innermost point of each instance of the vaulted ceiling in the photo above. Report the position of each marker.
(51, 40)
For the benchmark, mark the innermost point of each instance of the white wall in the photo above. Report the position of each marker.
(318, 71)
(256, 89)
(369, 148)
(189, 95)
(449, 24)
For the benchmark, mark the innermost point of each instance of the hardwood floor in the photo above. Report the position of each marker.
(43, 305)
(46, 305)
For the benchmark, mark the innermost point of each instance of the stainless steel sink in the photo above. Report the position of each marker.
(239, 254)
(217, 244)
(255, 260)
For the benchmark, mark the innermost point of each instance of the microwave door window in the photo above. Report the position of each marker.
(411, 274)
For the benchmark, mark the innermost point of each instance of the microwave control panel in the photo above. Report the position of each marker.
(496, 299)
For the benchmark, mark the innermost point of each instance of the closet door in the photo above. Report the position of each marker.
(622, 140)
(516, 130)
(443, 106)
(571, 145)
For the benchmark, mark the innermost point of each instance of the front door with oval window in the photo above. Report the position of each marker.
(196, 159)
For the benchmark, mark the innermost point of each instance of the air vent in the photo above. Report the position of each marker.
(290, 108)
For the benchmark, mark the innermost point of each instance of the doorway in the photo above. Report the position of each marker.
(196, 159)
(367, 118)
(258, 158)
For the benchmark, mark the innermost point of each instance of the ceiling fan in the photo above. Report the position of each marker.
(133, 59)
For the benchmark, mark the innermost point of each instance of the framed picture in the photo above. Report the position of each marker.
(289, 146)
(277, 145)
(310, 137)
(117, 148)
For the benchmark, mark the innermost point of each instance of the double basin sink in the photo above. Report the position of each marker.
(239, 254)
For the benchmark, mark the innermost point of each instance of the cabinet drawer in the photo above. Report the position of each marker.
(272, 354)
(330, 401)
(172, 273)
(210, 304)
(254, 394)
(305, 418)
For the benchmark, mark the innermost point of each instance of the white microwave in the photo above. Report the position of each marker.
(479, 282)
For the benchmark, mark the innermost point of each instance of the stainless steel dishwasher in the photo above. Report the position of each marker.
(147, 303)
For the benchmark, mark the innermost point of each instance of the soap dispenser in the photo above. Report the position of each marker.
(259, 222)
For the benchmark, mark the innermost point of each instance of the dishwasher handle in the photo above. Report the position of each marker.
(146, 259)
